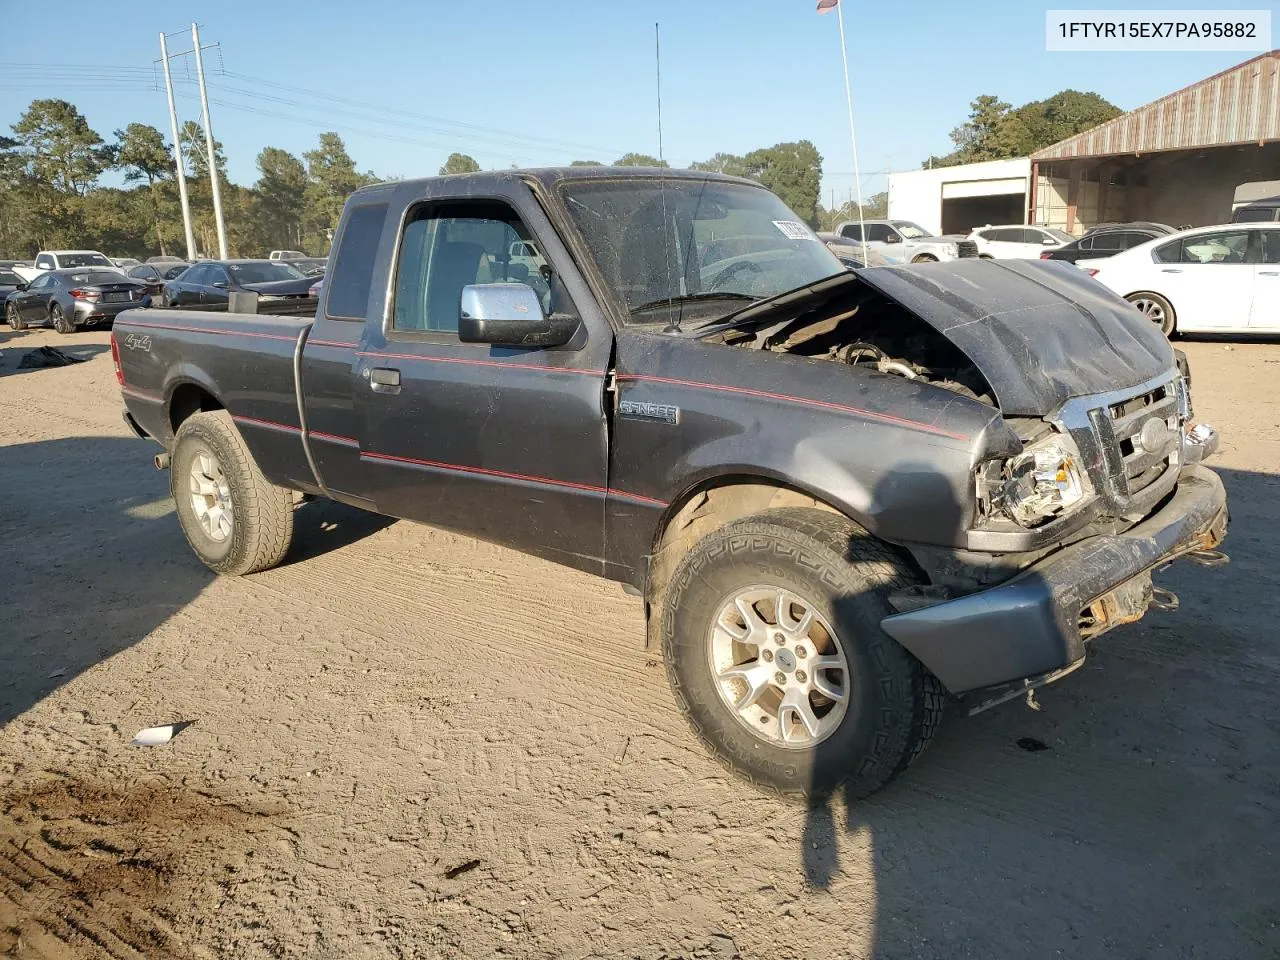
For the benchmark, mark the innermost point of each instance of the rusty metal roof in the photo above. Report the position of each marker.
(1239, 105)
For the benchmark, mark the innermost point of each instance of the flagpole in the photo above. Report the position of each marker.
(853, 136)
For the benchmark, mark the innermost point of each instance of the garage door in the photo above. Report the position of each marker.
(983, 188)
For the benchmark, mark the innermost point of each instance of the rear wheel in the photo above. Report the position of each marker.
(770, 628)
(14, 317)
(1157, 309)
(58, 318)
(236, 520)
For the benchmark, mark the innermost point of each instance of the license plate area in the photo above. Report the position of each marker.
(115, 297)
(1125, 604)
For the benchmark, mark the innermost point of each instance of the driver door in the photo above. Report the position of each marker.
(215, 284)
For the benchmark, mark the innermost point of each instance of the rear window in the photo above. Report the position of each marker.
(96, 277)
(1255, 214)
(83, 260)
(347, 289)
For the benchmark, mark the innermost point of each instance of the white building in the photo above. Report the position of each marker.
(957, 199)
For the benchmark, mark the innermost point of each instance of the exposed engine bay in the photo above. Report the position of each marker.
(868, 329)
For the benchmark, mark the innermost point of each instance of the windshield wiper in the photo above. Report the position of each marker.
(691, 298)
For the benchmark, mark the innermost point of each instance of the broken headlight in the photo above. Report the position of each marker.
(1044, 482)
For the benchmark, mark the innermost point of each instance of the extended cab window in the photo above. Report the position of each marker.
(447, 248)
(347, 290)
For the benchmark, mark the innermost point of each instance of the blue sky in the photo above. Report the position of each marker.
(406, 82)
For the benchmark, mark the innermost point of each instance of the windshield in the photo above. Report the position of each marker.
(912, 231)
(83, 260)
(676, 248)
(1060, 235)
(263, 272)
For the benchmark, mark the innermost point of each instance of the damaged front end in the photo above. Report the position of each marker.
(1099, 484)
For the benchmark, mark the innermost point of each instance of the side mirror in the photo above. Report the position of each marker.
(893, 238)
(21, 286)
(510, 315)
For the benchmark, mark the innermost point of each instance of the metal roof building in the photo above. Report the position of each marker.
(1181, 159)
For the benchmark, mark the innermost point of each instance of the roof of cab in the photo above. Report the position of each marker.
(548, 176)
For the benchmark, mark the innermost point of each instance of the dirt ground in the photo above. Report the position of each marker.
(408, 744)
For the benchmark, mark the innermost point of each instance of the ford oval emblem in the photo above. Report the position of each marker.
(1154, 435)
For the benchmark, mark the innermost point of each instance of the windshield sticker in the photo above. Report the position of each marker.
(794, 231)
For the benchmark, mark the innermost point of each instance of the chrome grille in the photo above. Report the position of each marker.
(1141, 415)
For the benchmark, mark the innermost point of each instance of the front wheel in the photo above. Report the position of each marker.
(58, 317)
(925, 258)
(236, 520)
(14, 317)
(770, 628)
(1156, 309)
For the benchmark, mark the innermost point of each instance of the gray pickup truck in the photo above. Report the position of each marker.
(842, 495)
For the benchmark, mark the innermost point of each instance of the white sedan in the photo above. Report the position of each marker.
(1209, 280)
(1014, 242)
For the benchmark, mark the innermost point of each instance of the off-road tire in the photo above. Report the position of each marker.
(59, 320)
(924, 258)
(262, 513)
(14, 318)
(895, 704)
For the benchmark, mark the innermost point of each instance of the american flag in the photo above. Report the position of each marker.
(826, 6)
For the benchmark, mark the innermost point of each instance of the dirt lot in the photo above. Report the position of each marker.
(406, 743)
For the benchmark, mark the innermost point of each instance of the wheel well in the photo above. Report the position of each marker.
(709, 507)
(924, 258)
(187, 399)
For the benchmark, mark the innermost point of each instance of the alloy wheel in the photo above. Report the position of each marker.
(211, 496)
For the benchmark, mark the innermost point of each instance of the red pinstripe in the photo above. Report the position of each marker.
(142, 394)
(456, 467)
(193, 329)
(869, 414)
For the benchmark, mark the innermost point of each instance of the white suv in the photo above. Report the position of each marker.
(1017, 242)
(60, 259)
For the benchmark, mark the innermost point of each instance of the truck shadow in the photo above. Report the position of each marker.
(1131, 815)
(94, 559)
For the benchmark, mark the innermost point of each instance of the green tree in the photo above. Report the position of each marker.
(60, 147)
(143, 155)
(279, 200)
(726, 163)
(639, 160)
(459, 163)
(586, 163)
(791, 170)
(195, 154)
(332, 177)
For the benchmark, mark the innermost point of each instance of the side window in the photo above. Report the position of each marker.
(347, 287)
(1270, 246)
(878, 232)
(1227, 246)
(1004, 236)
(1107, 242)
(214, 273)
(44, 262)
(42, 282)
(1168, 252)
(1131, 239)
(1087, 243)
(196, 275)
(447, 248)
(852, 231)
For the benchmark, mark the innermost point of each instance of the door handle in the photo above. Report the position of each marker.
(384, 379)
(1269, 273)
(1170, 270)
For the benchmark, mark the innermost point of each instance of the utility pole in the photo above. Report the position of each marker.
(208, 139)
(177, 153)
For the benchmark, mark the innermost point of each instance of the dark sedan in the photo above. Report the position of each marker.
(9, 282)
(154, 275)
(1107, 241)
(210, 282)
(72, 298)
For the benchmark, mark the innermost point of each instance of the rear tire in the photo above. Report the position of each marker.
(15, 318)
(1157, 310)
(884, 706)
(59, 320)
(236, 521)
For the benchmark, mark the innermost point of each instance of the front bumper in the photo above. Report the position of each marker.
(1029, 626)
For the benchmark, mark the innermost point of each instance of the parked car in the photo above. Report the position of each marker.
(67, 299)
(841, 494)
(9, 283)
(1223, 279)
(310, 266)
(1107, 241)
(315, 288)
(124, 263)
(852, 255)
(63, 259)
(903, 240)
(154, 275)
(1018, 242)
(211, 281)
(286, 255)
(168, 259)
(1258, 211)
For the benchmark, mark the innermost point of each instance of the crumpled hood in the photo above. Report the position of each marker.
(1039, 331)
